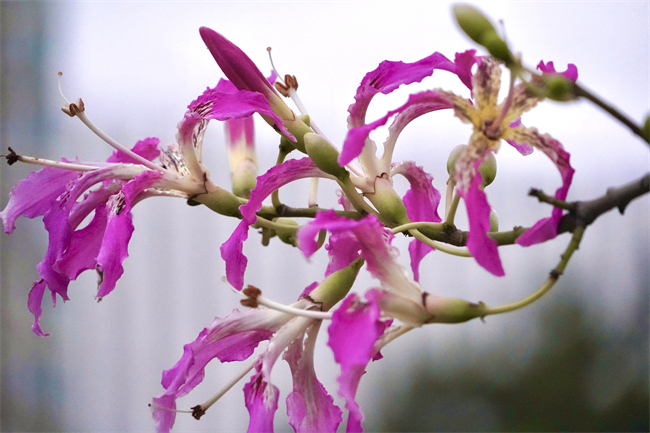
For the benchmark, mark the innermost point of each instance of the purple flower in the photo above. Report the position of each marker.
(492, 123)
(234, 338)
(66, 192)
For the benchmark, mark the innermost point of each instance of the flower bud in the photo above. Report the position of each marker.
(487, 169)
(337, 284)
(494, 221)
(240, 142)
(559, 89)
(288, 236)
(451, 310)
(497, 47)
(472, 22)
(324, 155)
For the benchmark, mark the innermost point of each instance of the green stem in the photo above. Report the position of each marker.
(546, 286)
(438, 246)
(419, 224)
(452, 210)
(582, 92)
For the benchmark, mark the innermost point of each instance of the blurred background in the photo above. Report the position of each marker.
(576, 360)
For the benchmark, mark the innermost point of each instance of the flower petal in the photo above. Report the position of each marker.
(546, 229)
(119, 228)
(356, 137)
(486, 83)
(354, 330)
(233, 338)
(34, 301)
(388, 76)
(548, 68)
(309, 407)
(147, 148)
(483, 249)
(274, 178)
(34, 195)
(421, 202)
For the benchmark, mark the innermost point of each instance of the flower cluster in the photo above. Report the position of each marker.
(66, 192)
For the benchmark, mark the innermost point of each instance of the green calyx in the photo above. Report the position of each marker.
(451, 310)
(336, 285)
(298, 127)
(559, 89)
(288, 235)
(324, 155)
(220, 201)
(388, 203)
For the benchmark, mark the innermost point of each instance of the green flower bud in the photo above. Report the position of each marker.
(472, 22)
(455, 153)
(324, 155)
(497, 47)
(487, 169)
(288, 235)
(387, 202)
(558, 89)
(494, 221)
(337, 284)
(451, 310)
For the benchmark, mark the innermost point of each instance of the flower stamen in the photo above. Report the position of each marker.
(78, 109)
(13, 157)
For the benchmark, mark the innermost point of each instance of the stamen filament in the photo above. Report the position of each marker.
(101, 134)
(232, 382)
(169, 409)
(268, 50)
(261, 300)
(55, 164)
(313, 193)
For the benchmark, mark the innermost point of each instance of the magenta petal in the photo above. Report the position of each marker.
(147, 148)
(276, 177)
(484, 250)
(342, 249)
(164, 419)
(571, 72)
(34, 195)
(232, 254)
(546, 228)
(261, 400)
(421, 202)
(356, 137)
(34, 301)
(353, 333)
(388, 76)
(464, 62)
(309, 407)
(119, 228)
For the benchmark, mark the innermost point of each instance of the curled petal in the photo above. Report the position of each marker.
(389, 76)
(546, 229)
(261, 399)
(483, 249)
(274, 178)
(119, 228)
(34, 195)
(524, 149)
(356, 138)
(421, 202)
(310, 408)
(354, 330)
(571, 72)
(34, 302)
